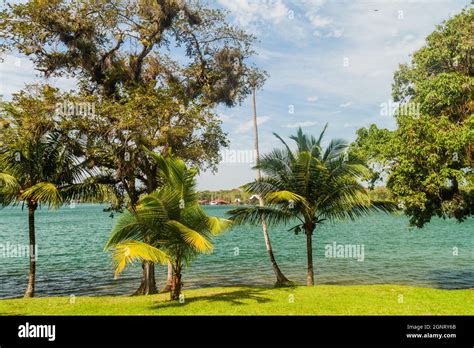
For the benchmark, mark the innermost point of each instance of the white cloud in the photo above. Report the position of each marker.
(335, 33)
(247, 12)
(312, 98)
(302, 124)
(346, 105)
(224, 117)
(246, 126)
(319, 21)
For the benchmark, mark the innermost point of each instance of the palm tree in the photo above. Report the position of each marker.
(167, 225)
(256, 81)
(40, 164)
(309, 185)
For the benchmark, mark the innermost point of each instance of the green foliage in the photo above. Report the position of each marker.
(151, 118)
(169, 220)
(227, 195)
(40, 162)
(116, 44)
(310, 184)
(428, 160)
(120, 53)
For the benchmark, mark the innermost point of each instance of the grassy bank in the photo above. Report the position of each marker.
(318, 300)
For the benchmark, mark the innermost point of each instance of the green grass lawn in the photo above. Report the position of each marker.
(317, 300)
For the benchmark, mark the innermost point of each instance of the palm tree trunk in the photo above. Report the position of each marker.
(176, 283)
(30, 289)
(281, 279)
(309, 254)
(148, 284)
(169, 279)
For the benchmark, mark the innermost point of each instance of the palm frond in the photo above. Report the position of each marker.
(218, 225)
(286, 197)
(132, 250)
(253, 215)
(335, 148)
(43, 192)
(88, 192)
(8, 182)
(127, 227)
(192, 237)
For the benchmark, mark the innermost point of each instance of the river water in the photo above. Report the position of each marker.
(71, 260)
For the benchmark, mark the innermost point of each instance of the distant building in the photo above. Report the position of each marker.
(218, 202)
(253, 199)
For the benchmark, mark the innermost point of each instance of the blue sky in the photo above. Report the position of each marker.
(329, 61)
(332, 60)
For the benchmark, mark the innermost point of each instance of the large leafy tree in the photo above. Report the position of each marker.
(40, 164)
(309, 185)
(428, 160)
(153, 118)
(110, 45)
(167, 225)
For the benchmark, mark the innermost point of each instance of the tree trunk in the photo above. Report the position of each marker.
(148, 284)
(176, 283)
(309, 253)
(169, 279)
(30, 289)
(280, 278)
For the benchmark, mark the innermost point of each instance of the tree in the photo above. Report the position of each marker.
(309, 185)
(257, 81)
(117, 135)
(167, 225)
(39, 162)
(428, 160)
(113, 45)
(115, 48)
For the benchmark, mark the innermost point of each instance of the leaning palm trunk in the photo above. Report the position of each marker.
(30, 289)
(281, 279)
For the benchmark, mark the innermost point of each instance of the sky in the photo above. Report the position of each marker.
(329, 61)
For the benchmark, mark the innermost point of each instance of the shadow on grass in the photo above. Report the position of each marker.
(236, 297)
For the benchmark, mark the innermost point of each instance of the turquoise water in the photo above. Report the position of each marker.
(71, 260)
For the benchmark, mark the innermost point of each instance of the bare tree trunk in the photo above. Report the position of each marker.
(169, 279)
(148, 284)
(30, 289)
(281, 279)
(309, 254)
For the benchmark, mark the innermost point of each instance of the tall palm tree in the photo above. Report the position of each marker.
(280, 277)
(40, 165)
(168, 225)
(309, 185)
